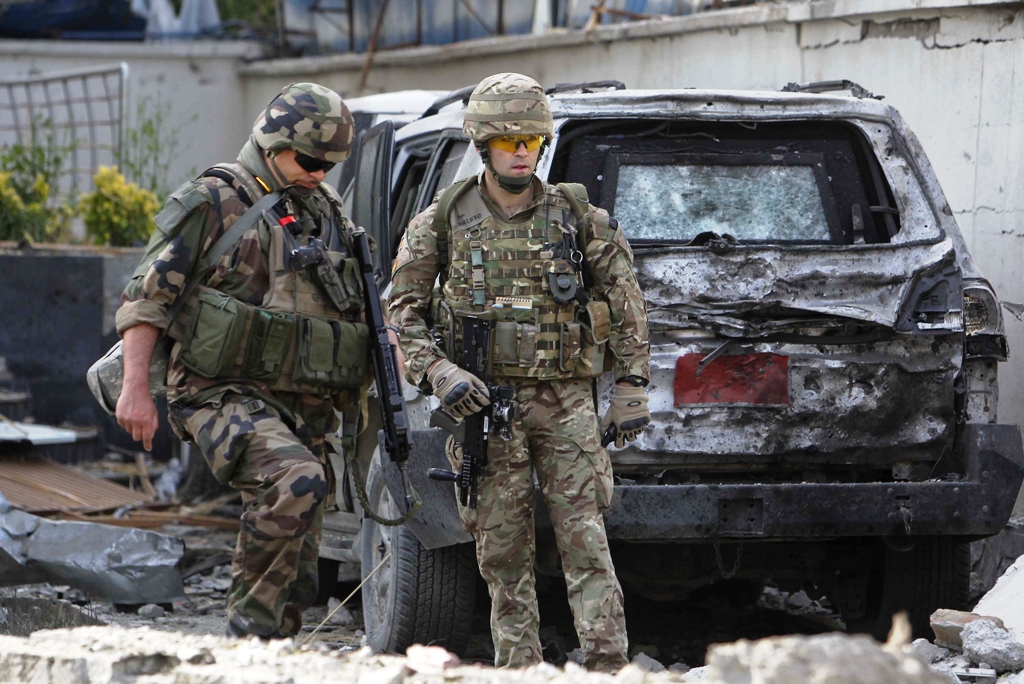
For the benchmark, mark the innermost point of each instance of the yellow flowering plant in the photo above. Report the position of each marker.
(118, 213)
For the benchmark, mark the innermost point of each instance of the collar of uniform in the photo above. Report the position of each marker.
(538, 199)
(252, 159)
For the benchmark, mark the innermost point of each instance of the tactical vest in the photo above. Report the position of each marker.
(507, 270)
(304, 336)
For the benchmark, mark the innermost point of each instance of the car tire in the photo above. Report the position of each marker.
(417, 596)
(918, 577)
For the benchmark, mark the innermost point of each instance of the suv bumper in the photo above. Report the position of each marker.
(978, 505)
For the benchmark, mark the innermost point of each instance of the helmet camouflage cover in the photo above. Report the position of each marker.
(307, 118)
(507, 104)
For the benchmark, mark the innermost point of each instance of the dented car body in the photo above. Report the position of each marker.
(823, 352)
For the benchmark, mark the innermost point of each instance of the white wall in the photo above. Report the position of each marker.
(197, 83)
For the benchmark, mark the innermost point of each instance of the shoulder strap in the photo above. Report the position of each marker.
(449, 196)
(223, 243)
(576, 195)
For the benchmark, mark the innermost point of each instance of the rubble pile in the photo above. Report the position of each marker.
(985, 645)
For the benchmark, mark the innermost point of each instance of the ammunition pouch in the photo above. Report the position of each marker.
(339, 278)
(594, 332)
(228, 338)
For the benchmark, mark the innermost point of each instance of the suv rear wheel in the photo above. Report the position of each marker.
(928, 574)
(417, 596)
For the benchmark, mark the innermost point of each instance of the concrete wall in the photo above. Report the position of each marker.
(197, 84)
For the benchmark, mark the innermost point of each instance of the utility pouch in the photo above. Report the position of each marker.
(214, 335)
(315, 357)
(569, 346)
(506, 339)
(593, 340)
(351, 354)
(270, 336)
(340, 280)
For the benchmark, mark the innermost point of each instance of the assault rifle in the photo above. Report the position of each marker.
(386, 373)
(473, 431)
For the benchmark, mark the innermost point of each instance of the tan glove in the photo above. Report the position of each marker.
(628, 413)
(461, 393)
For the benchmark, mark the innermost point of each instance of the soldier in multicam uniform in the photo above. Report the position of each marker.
(268, 345)
(526, 252)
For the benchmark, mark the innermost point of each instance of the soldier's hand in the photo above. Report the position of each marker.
(136, 413)
(628, 413)
(461, 393)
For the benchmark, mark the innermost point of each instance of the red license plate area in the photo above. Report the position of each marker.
(732, 379)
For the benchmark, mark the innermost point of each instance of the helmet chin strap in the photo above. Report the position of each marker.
(517, 185)
(293, 188)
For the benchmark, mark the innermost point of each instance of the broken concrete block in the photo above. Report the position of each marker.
(929, 652)
(681, 668)
(991, 557)
(339, 614)
(1006, 600)
(799, 601)
(151, 610)
(646, 662)
(830, 657)
(429, 660)
(699, 674)
(989, 643)
(947, 625)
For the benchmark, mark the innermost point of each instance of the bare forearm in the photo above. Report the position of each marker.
(137, 351)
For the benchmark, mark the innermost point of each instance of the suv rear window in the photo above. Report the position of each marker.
(679, 199)
(670, 181)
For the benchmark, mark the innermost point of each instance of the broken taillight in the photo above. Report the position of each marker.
(732, 379)
(981, 311)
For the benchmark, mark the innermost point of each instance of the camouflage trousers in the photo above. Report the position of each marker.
(283, 481)
(555, 435)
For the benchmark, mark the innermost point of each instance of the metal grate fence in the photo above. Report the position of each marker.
(81, 111)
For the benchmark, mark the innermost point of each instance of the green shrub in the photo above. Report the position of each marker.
(118, 213)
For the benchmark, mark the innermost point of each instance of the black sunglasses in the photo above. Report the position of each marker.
(312, 164)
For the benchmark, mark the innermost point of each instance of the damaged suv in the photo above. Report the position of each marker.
(823, 361)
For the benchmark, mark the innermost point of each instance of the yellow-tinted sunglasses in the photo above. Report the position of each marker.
(510, 143)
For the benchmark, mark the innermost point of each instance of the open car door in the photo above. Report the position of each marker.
(371, 199)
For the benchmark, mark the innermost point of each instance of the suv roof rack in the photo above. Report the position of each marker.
(445, 100)
(586, 87)
(855, 89)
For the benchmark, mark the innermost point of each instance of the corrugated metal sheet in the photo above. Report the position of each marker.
(39, 486)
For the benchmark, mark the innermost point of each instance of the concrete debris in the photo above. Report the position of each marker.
(429, 660)
(21, 616)
(120, 565)
(1006, 600)
(929, 652)
(699, 674)
(829, 657)
(800, 600)
(340, 616)
(647, 663)
(681, 668)
(948, 624)
(151, 610)
(987, 643)
(772, 599)
(991, 557)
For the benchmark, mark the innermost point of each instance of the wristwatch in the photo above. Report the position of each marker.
(634, 380)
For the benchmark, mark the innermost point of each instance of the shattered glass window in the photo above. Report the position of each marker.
(749, 202)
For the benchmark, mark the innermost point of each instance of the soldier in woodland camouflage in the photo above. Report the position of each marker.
(556, 276)
(264, 351)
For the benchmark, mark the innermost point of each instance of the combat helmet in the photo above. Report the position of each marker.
(307, 118)
(507, 104)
